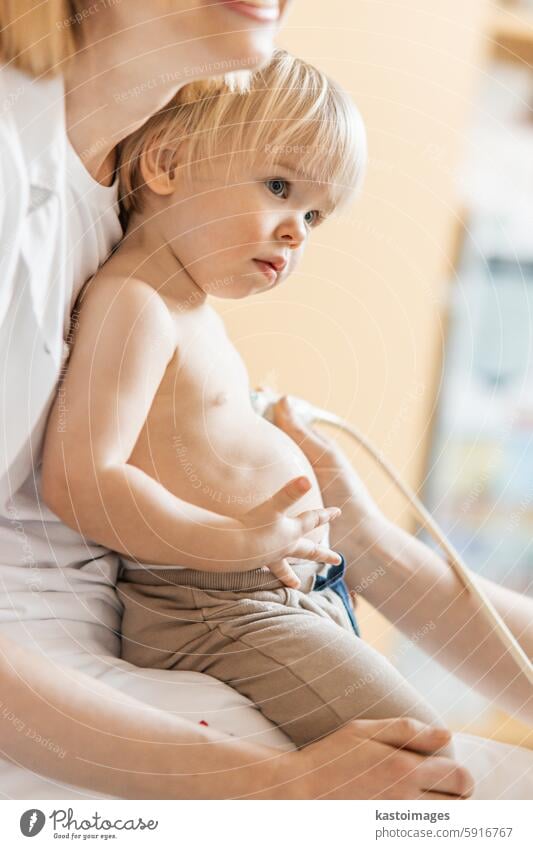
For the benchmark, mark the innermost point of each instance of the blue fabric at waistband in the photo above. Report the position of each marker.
(334, 579)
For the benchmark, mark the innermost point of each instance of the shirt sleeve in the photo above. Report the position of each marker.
(3, 281)
(12, 194)
(13, 202)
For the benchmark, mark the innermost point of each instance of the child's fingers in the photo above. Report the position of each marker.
(311, 519)
(281, 501)
(308, 550)
(291, 492)
(284, 573)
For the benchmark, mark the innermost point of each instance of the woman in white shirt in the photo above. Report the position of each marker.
(76, 79)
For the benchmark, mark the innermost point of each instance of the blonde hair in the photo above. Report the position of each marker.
(38, 37)
(289, 108)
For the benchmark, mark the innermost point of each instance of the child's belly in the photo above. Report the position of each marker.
(227, 460)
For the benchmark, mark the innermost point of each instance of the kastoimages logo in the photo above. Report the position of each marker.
(32, 822)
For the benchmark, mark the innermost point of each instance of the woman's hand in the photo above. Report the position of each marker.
(272, 535)
(361, 518)
(378, 759)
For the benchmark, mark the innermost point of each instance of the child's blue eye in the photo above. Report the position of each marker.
(312, 217)
(278, 187)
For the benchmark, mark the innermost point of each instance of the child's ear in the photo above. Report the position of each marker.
(159, 169)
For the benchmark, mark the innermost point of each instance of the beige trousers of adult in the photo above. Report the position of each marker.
(294, 653)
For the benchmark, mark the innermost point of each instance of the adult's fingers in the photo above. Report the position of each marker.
(403, 732)
(442, 796)
(313, 444)
(282, 570)
(443, 775)
(437, 774)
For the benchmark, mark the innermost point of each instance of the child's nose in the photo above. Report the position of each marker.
(292, 231)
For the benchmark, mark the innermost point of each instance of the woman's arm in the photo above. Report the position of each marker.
(515, 609)
(124, 341)
(421, 594)
(115, 745)
(415, 588)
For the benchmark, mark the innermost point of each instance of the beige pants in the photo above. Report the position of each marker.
(294, 653)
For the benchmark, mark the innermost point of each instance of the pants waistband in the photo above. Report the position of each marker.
(257, 579)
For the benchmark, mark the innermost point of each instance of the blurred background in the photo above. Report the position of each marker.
(412, 313)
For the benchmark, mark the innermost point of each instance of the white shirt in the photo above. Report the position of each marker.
(57, 225)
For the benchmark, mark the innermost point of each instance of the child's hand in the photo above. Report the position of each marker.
(271, 534)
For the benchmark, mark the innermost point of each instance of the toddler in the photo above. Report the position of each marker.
(162, 456)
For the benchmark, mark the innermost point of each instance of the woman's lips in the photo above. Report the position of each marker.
(260, 10)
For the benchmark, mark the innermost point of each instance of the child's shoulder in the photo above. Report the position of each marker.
(127, 302)
(108, 287)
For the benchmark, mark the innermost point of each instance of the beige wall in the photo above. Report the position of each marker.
(360, 328)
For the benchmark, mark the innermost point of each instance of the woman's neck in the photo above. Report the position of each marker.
(124, 72)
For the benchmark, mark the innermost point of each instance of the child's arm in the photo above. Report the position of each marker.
(124, 342)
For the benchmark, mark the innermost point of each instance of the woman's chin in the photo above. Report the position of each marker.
(260, 45)
(247, 50)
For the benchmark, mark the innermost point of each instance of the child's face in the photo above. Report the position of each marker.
(242, 232)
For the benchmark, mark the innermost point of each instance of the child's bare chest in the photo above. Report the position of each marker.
(200, 411)
(207, 372)
(202, 439)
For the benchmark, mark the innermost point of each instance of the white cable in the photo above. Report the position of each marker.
(264, 401)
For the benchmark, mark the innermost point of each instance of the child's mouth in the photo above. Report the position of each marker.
(267, 268)
(273, 267)
(265, 11)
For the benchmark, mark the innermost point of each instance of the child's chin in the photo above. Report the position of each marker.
(239, 291)
(237, 286)
(226, 292)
